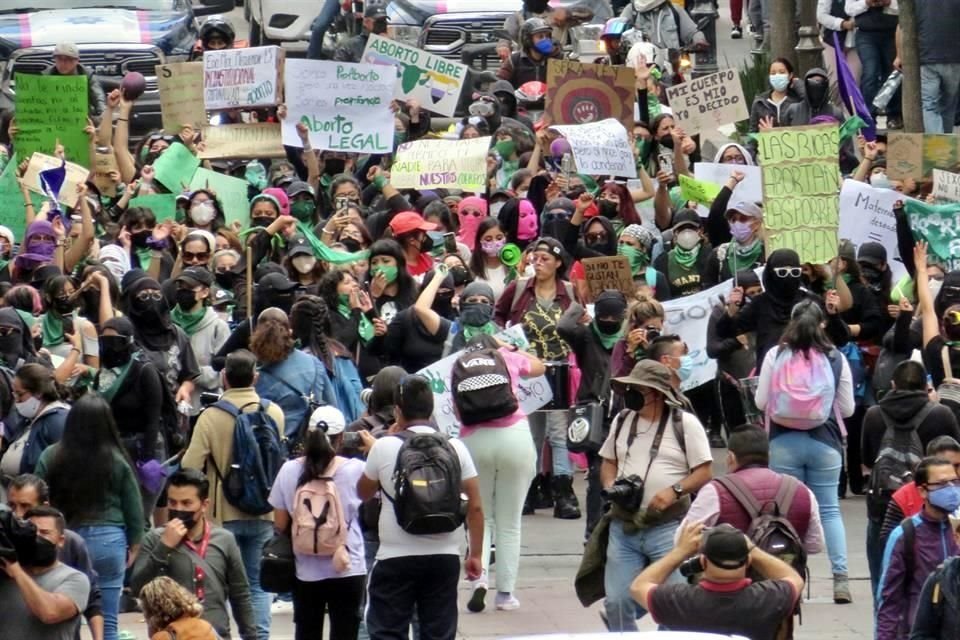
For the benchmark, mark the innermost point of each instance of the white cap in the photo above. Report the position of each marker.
(331, 417)
(67, 49)
(5, 232)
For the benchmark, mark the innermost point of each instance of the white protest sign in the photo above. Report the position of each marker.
(688, 318)
(432, 164)
(866, 215)
(76, 175)
(241, 77)
(346, 107)
(946, 185)
(433, 81)
(705, 103)
(751, 189)
(532, 394)
(600, 148)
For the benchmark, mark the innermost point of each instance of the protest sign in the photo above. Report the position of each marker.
(600, 148)
(255, 140)
(175, 167)
(181, 95)
(230, 191)
(247, 77)
(866, 215)
(52, 108)
(163, 205)
(750, 190)
(532, 393)
(801, 184)
(699, 191)
(433, 81)
(11, 195)
(434, 164)
(946, 185)
(103, 164)
(346, 107)
(708, 102)
(579, 93)
(608, 272)
(68, 192)
(937, 224)
(916, 155)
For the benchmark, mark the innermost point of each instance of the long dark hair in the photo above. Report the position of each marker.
(327, 287)
(318, 452)
(406, 286)
(310, 320)
(77, 487)
(477, 258)
(804, 331)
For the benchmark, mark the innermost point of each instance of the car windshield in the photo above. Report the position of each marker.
(19, 6)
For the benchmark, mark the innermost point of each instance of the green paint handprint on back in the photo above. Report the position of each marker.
(437, 384)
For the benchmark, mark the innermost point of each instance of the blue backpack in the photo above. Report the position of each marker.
(258, 453)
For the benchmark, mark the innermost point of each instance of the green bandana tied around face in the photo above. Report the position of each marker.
(505, 148)
(638, 258)
(365, 328)
(302, 210)
(52, 330)
(389, 273)
(743, 258)
(189, 321)
(144, 256)
(488, 329)
(684, 258)
(607, 340)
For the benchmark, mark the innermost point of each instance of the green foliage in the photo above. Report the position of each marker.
(755, 79)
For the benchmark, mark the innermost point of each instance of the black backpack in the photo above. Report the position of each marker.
(900, 453)
(481, 387)
(426, 480)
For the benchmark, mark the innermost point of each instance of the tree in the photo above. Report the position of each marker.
(783, 29)
(908, 52)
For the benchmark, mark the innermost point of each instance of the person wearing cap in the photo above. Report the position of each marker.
(878, 279)
(211, 450)
(223, 303)
(390, 285)
(685, 264)
(739, 246)
(374, 21)
(303, 204)
(302, 263)
(680, 466)
(410, 230)
(725, 601)
(66, 62)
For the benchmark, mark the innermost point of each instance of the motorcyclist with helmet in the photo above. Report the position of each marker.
(560, 19)
(216, 33)
(613, 43)
(536, 47)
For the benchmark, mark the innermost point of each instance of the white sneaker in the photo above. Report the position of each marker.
(281, 606)
(507, 602)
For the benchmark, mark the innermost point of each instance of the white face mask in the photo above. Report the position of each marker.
(304, 264)
(880, 181)
(29, 407)
(688, 239)
(495, 208)
(934, 287)
(224, 315)
(203, 213)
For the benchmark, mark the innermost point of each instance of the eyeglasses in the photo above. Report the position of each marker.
(195, 257)
(788, 272)
(149, 294)
(596, 237)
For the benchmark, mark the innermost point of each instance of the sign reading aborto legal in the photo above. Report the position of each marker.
(434, 164)
(433, 81)
(703, 104)
(801, 190)
(234, 78)
(345, 107)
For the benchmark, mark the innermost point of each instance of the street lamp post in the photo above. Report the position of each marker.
(809, 49)
(704, 13)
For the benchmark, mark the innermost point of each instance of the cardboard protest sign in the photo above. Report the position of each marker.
(708, 102)
(579, 93)
(175, 167)
(946, 185)
(532, 393)
(68, 192)
(433, 164)
(750, 190)
(600, 148)
(248, 77)
(255, 140)
(346, 107)
(51, 108)
(12, 213)
(866, 215)
(801, 183)
(181, 95)
(433, 81)
(163, 205)
(608, 272)
(103, 164)
(230, 191)
(937, 224)
(916, 155)
(699, 191)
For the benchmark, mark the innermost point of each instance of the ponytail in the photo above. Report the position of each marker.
(318, 454)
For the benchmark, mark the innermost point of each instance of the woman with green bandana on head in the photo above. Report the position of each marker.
(636, 244)
(685, 263)
(744, 251)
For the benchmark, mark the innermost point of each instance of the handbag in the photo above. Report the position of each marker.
(585, 433)
(278, 566)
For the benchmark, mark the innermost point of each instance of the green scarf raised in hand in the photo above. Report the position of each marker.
(189, 321)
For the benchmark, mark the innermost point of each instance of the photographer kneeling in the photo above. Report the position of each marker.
(725, 601)
(655, 456)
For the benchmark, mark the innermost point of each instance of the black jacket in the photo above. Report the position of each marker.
(939, 619)
(592, 358)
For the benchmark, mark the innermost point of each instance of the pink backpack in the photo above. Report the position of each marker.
(803, 388)
(319, 527)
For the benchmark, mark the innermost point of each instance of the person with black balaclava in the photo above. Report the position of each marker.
(507, 97)
(374, 21)
(816, 101)
(530, 62)
(17, 346)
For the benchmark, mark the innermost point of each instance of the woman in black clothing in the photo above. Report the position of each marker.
(390, 285)
(353, 323)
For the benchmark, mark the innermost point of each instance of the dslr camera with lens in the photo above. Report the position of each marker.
(626, 493)
(18, 539)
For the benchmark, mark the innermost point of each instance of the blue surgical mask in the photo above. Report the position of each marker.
(544, 46)
(686, 368)
(945, 498)
(779, 81)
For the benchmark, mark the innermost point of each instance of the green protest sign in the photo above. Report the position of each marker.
(12, 213)
(175, 166)
(163, 205)
(51, 108)
(231, 192)
(801, 190)
(937, 224)
(698, 190)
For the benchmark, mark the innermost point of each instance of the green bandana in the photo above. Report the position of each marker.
(389, 273)
(189, 321)
(486, 330)
(144, 256)
(738, 258)
(114, 386)
(505, 148)
(302, 210)
(638, 259)
(846, 277)
(607, 340)
(52, 329)
(365, 328)
(684, 258)
(28, 318)
(325, 253)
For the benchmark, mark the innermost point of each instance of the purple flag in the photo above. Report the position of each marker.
(850, 92)
(51, 181)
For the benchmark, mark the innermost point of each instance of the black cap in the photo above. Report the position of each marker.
(375, 11)
(726, 547)
(685, 218)
(196, 277)
(611, 304)
(265, 269)
(873, 253)
(299, 246)
(551, 246)
(847, 251)
(747, 278)
(297, 187)
(275, 282)
(222, 296)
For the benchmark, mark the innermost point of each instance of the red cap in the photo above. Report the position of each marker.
(409, 221)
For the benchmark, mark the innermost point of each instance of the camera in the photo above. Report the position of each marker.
(652, 333)
(626, 493)
(208, 398)
(690, 567)
(18, 539)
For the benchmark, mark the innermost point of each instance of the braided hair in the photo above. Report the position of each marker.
(310, 319)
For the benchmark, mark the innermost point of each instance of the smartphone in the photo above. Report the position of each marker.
(208, 398)
(351, 440)
(341, 203)
(450, 242)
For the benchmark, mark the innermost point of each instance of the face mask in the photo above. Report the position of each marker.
(476, 314)
(350, 244)
(522, 194)
(880, 181)
(334, 166)
(492, 248)
(666, 141)
(495, 208)
(505, 148)
(10, 344)
(872, 275)
(779, 81)
(688, 239)
(527, 225)
(482, 109)
(186, 299)
(633, 399)
(188, 518)
(224, 279)
(741, 231)
(609, 327)
(302, 210)
(29, 407)
(45, 553)
(63, 306)
(261, 221)
(945, 498)
(389, 273)
(304, 264)
(816, 91)
(609, 208)
(224, 315)
(379, 26)
(536, 6)
(399, 137)
(934, 287)
(638, 259)
(139, 239)
(46, 248)
(115, 351)
(426, 244)
(203, 213)
(686, 368)
(544, 46)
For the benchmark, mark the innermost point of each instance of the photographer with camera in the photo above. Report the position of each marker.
(655, 456)
(725, 601)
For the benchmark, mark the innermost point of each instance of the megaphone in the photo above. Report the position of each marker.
(510, 255)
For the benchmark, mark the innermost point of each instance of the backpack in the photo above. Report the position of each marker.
(802, 389)
(426, 480)
(481, 386)
(319, 527)
(949, 388)
(295, 447)
(900, 453)
(258, 453)
(769, 527)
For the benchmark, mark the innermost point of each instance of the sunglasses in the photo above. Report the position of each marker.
(788, 272)
(596, 237)
(8, 331)
(203, 256)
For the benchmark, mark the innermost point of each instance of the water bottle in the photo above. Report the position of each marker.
(886, 92)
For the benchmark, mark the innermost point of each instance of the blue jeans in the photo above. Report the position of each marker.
(627, 556)
(939, 91)
(816, 465)
(251, 535)
(328, 13)
(874, 557)
(107, 546)
(552, 427)
(876, 49)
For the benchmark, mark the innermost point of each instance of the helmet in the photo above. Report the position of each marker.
(614, 28)
(217, 24)
(531, 92)
(531, 27)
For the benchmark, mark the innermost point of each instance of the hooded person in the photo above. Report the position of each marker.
(518, 219)
(470, 213)
(506, 95)
(555, 218)
(17, 347)
(39, 245)
(733, 153)
(115, 259)
(816, 101)
(476, 316)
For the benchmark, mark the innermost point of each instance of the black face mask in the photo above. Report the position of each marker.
(45, 553)
(426, 244)
(476, 314)
(350, 245)
(282, 301)
(609, 327)
(115, 351)
(597, 245)
(63, 306)
(186, 299)
(609, 208)
(379, 26)
(666, 141)
(334, 166)
(536, 6)
(188, 518)
(11, 344)
(139, 239)
(91, 300)
(224, 279)
(633, 399)
(816, 92)
(261, 221)
(872, 275)
(149, 313)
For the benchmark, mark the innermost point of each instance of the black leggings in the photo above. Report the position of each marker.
(340, 597)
